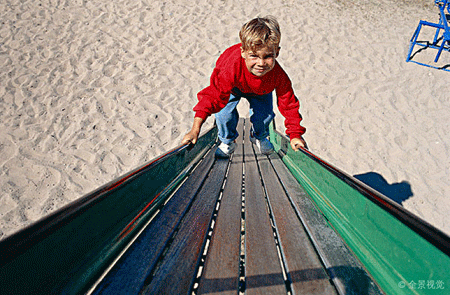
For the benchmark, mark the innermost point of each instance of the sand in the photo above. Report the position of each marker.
(92, 89)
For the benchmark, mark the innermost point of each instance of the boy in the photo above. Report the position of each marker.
(249, 70)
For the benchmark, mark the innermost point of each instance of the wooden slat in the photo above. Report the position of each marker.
(304, 268)
(176, 272)
(221, 271)
(262, 267)
(346, 271)
(135, 266)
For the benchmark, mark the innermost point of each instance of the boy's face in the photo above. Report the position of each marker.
(260, 62)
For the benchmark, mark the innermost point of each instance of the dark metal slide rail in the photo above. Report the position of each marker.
(67, 251)
(398, 248)
(435, 236)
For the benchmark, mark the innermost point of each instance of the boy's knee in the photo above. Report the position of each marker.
(261, 117)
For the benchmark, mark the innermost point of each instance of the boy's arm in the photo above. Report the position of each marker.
(289, 107)
(192, 136)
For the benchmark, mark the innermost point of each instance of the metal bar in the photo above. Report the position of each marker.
(67, 250)
(420, 226)
(395, 246)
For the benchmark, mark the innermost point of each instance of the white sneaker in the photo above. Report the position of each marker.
(225, 150)
(264, 145)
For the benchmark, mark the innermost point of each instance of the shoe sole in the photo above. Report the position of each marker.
(221, 155)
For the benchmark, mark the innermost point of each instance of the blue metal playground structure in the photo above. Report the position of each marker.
(441, 39)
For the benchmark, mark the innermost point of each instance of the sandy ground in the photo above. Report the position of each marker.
(92, 89)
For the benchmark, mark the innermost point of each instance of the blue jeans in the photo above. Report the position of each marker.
(261, 114)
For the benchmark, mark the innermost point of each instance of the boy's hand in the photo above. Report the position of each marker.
(192, 136)
(297, 143)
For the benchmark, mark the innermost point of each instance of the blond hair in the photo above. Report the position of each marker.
(260, 32)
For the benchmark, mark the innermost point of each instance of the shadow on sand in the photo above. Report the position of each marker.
(397, 192)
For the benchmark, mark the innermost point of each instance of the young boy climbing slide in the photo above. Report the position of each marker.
(249, 70)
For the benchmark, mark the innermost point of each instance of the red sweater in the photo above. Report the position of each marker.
(231, 72)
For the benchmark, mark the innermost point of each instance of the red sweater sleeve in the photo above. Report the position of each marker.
(215, 97)
(289, 107)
